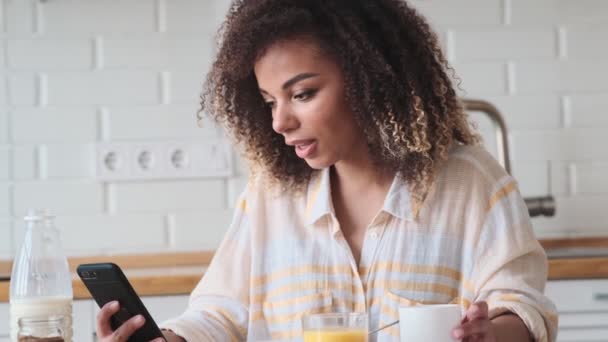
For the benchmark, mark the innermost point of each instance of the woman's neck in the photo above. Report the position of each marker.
(359, 176)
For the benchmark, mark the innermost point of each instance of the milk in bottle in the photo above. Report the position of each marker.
(41, 283)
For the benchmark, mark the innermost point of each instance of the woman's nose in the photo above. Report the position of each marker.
(283, 120)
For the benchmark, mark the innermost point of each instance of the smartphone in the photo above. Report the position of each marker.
(106, 282)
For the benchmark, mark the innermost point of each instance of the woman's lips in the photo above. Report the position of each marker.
(305, 150)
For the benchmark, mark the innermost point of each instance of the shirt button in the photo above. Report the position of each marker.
(374, 235)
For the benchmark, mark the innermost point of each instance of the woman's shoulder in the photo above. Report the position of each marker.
(264, 190)
(474, 168)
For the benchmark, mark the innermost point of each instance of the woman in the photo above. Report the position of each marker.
(368, 191)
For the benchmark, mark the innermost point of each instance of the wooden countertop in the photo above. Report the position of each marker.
(178, 273)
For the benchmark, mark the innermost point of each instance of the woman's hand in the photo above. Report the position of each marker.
(122, 334)
(476, 325)
(171, 337)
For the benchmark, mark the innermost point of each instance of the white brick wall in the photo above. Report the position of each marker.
(185, 87)
(3, 90)
(157, 122)
(201, 230)
(69, 161)
(108, 233)
(61, 197)
(23, 89)
(93, 17)
(158, 52)
(54, 124)
(132, 87)
(583, 40)
(5, 199)
(19, 16)
(591, 178)
(482, 79)
(4, 129)
(159, 196)
(6, 244)
(584, 109)
(5, 158)
(530, 112)
(504, 44)
(50, 54)
(77, 72)
(183, 16)
(25, 162)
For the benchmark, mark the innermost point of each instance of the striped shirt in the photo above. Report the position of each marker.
(285, 255)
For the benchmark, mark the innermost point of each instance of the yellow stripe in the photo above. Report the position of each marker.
(294, 301)
(242, 205)
(285, 335)
(226, 327)
(414, 268)
(298, 288)
(393, 331)
(227, 316)
(468, 286)
(510, 297)
(296, 315)
(553, 318)
(300, 270)
(500, 194)
(449, 291)
(337, 305)
(387, 311)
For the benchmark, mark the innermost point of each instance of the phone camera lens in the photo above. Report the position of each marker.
(85, 274)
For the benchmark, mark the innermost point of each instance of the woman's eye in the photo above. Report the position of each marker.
(269, 104)
(305, 95)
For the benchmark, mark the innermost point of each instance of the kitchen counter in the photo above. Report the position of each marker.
(178, 273)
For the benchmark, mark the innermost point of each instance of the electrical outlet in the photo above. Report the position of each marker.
(178, 159)
(112, 161)
(146, 161)
(163, 160)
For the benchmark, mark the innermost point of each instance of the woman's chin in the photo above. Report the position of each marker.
(317, 164)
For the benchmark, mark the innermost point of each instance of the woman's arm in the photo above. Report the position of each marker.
(510, 327)
(478, 327)
(218, 309)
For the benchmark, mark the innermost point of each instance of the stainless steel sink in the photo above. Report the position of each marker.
(577, 252)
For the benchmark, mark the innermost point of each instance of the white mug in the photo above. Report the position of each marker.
(428, 323)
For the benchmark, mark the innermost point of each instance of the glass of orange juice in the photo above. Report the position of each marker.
(334, 327)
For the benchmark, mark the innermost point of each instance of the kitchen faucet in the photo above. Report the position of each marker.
(537, 206)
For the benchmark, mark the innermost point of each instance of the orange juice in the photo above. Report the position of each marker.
(335, 335)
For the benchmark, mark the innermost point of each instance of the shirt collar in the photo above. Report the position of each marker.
(318, 199)
(398, 201)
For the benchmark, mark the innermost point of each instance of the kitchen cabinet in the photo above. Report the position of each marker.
(583, 309)
(4, 317)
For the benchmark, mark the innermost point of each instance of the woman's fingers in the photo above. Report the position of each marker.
(473, 330)
(478, 310)
(104, 328)
(127, 329)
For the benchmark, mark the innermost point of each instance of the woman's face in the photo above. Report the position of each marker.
(305, 92)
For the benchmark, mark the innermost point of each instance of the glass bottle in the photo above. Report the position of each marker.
(41, 329)
(41, 282)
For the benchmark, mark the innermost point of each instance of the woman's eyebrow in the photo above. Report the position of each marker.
(293, 80)
(298, 78)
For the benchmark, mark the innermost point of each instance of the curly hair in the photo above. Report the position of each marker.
(395, 74)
